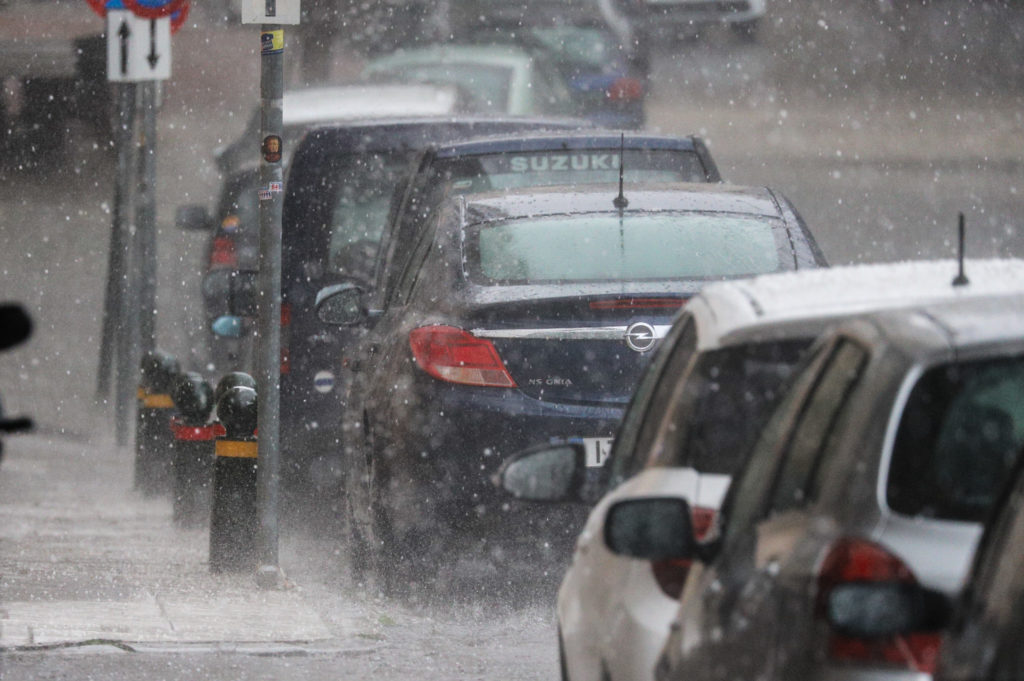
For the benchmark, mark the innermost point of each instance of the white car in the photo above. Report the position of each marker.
(700, 405)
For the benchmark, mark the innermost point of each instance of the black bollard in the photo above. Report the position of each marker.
(154, 440)
(193, 450)
(233, 516)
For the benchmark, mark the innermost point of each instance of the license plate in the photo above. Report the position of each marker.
(597, 450)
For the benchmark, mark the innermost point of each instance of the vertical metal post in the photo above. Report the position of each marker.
(145, 218)
(123, 326)
(268, 379)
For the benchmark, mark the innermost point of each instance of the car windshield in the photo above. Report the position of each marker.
(598, 247)
(512, 170)
(959, 436)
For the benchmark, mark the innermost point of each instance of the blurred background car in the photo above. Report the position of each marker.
(497, 79)
(697, 410)
(604, 68)
(873, 476)
(519, 317)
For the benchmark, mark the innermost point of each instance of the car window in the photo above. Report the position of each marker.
(959, 435)
(608, 247)
(747, 495)
(720, 407)
(816, 426)
(414, 263)
(640, 424)
(547, 167)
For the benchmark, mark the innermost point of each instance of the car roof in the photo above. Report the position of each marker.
(323, 104)
(566, 140)
(960, 323)
(676, 196)
(497, 54)
(778, 300)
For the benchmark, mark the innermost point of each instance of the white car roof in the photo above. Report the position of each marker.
(354, 102)
(725, 307)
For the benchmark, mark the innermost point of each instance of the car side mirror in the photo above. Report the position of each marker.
(237, 290)
(228, 326)
(341, 305)
(651, 528)
(544, 473)
(882, 609)
(193, 218)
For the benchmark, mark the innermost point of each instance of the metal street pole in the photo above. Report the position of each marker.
(145, 216)
(268, 379)
(124, 325)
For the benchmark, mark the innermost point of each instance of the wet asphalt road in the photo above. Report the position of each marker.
(878, 134)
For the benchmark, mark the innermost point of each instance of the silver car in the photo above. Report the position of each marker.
(867, 485)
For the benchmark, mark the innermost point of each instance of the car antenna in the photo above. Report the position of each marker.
(961, 278)
(621, 201)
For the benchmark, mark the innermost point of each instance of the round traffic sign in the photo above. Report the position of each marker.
(179, 17)
(101, 6)
(154, 9)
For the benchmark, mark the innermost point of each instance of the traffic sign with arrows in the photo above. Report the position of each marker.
(137, 49)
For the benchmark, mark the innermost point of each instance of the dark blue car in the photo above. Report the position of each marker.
(357, 193)
(519, 318)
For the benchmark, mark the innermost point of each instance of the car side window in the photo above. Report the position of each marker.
(411, 272)
(643, 417)
(747, 496)
(812, 436)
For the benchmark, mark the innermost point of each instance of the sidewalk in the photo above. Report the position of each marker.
(83, 558)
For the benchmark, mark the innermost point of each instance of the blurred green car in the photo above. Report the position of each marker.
(498, 79)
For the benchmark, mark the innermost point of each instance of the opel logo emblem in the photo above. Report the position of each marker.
(640, 336)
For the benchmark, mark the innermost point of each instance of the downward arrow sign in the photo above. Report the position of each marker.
(124, 33)
(153, 57)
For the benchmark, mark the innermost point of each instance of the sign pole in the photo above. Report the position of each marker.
(146, 217)
(126, 323)
(268, 381)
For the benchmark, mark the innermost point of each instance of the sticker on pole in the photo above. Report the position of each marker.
(272, 42)
(270, 11)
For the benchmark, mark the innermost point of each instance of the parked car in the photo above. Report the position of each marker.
(604, 68)
(305, 108)
(234, 225)
(518, 317)
(338, 198)
(699, 407)
(871, 479)
(986, 637)
(495, 79)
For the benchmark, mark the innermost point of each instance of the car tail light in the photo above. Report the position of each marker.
(458, 356)
(626, 88)
(874, 572)
(223, 252)
(671, 574)
(286, 323)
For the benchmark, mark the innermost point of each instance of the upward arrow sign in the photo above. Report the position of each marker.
(153, 57)
(124, 33)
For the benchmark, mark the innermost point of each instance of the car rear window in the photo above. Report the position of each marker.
(511, 170)
(609, 247)
(958, 438)
(723, 404)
